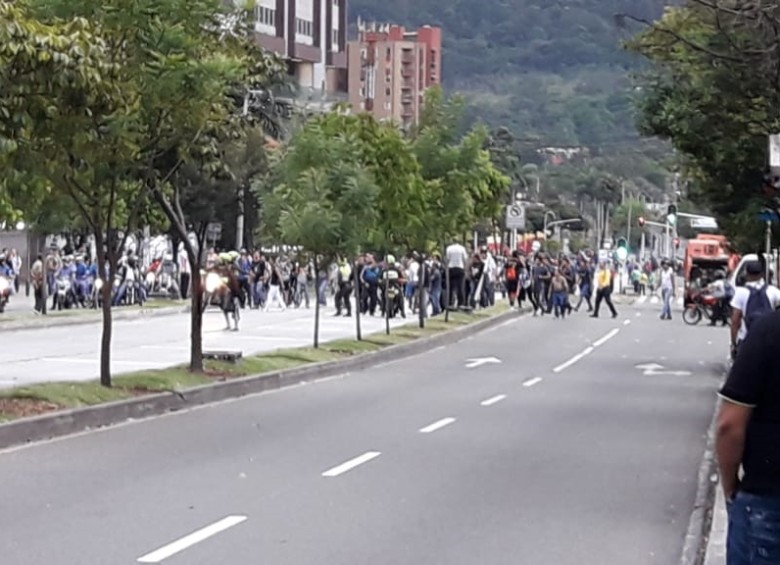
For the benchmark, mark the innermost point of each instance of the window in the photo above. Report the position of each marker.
(389, 54)
(304, 27)
(266, 16)
(388, 105)
(388, 92)
(335, 39)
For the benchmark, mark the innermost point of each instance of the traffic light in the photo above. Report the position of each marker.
(622, 249)
(641, 221)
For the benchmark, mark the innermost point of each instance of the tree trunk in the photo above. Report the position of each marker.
(387, 307)
(316, 303)
(448, 297)
(105, 339)
(422, 280)
(357, 303)
(196, 315)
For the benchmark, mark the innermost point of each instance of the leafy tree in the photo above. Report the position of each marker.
(404, 202)
(713, 91)
(465, 184)
(324, 199)
(81, 138)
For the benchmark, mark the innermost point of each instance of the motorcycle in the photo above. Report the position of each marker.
(64, 296)
(704, 306)
(5, 292)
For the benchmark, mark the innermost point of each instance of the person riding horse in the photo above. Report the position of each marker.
(226, 287)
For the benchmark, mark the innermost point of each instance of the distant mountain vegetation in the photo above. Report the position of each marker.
(552, 70)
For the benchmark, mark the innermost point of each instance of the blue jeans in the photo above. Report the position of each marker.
(559, 303)
(754, 530)
(435, 299)
(666, 295)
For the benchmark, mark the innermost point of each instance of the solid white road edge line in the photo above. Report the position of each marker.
(606, 338)
(532, 382)
(351, 464)
(437, 425)
(573, 360)
(181, 544)
(493, 400)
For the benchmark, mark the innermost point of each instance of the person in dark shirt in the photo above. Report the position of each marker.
(748, 435)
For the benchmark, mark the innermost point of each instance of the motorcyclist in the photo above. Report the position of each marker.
(721, 290)
(392, 277)
(83, 282)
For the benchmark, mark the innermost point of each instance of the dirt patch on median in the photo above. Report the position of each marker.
(13, 408)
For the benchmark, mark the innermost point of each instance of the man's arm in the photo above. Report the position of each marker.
(736, 324)
(741, 393)
(732, 424)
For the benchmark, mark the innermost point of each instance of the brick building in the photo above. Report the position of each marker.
(389, 70)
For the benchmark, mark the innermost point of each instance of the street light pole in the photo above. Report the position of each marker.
(550, 213)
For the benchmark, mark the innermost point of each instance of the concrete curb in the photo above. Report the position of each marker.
(695, 546)
(68, 422)
(40, 322)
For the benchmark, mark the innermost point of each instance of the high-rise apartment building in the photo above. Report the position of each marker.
(311, 35)
(389, 70)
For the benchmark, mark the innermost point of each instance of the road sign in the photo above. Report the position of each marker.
(768, 216)
(515, 217)
(704, 223)
(774, 151)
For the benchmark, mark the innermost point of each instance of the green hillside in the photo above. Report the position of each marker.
(548, 69)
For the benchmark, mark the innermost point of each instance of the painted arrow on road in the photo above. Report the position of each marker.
(652, 369)
(472, 363)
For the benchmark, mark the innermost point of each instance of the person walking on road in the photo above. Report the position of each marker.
(668, 288)
(751, 302)
(585, 275)
(748, 436)
(604, 289)
(559, 291)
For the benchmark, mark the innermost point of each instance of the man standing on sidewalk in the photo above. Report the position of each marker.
(748, 435)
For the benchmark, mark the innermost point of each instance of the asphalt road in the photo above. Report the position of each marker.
(71, 353)
(565, 452)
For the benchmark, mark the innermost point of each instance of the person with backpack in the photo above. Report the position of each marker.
(751, 302)
(511, 277)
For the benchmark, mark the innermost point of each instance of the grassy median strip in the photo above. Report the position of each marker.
(48, 397)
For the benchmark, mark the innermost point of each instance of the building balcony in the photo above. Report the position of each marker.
(271, 43)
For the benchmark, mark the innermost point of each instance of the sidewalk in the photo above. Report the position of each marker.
(19, 313)
(716, 541)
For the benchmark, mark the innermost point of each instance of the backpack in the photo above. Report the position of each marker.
(758, 305)
(511, 273)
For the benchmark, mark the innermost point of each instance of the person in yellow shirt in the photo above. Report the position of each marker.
(604, 289)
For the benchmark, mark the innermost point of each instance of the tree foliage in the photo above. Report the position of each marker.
(714, 92)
